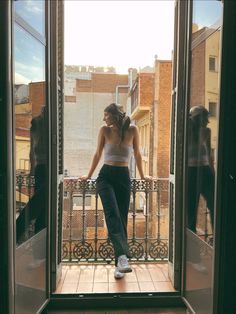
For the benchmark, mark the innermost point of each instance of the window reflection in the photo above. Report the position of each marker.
(29, 59)
(201, 172)
(202, 136)
(32, 216)
(33, 12)
(30, 135)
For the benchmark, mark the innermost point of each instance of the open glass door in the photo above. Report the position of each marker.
(25, 168)
(201, 152)
(176, 148)
(31, 162)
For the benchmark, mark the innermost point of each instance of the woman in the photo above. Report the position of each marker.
(200, 165)
(118, 139)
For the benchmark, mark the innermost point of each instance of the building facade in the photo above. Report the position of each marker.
(86, 96)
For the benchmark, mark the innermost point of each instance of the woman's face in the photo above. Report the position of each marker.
(108, 118)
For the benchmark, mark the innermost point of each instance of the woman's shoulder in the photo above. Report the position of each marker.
(133, 129)
(104, 129)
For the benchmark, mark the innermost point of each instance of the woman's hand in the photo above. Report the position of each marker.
(147, 178)
(84, 178)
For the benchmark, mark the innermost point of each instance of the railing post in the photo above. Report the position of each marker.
(146, 222)
(96, 226)
(70, 220)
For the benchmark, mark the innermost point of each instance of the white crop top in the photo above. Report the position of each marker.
(116, 152)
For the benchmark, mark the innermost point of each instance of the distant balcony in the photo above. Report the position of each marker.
(142, 95)
(139, 111)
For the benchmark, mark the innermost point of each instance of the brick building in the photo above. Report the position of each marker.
(160, 141)
(29, 101)
(150, 110)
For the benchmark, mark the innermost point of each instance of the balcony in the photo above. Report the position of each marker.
(142, 95)
(85, 236)
(84, 232)
(87, 253)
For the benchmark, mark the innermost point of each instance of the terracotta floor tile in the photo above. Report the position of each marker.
(61, 281)
(100, 274)
(86, 275)
(152, 265)
(86, 266)
(163, 286)
(146, 286)
(70, 267)
(59, 286)
(85, 287)
(138, 266)
(157, 275)
(122, 286)
(69, 287)
(100, 287)
(131, 277)
(164, 268)
(72, 275)
(143, 275)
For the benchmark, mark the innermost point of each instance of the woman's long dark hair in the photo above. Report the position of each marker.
(197, 114)
(119, 118)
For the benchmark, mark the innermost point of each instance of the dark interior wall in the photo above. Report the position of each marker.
(225, 259)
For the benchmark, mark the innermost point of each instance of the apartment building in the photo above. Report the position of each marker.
(86, 96)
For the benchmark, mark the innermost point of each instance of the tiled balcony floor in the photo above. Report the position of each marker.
(88, 278)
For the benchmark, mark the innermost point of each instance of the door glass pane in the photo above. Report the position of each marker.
(33, 12)
(31, 156)
(202, 148)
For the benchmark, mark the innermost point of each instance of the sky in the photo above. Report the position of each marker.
(207, 13)
(118, 33)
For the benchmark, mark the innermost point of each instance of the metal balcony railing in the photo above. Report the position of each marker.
(84, 232)
(85, 236)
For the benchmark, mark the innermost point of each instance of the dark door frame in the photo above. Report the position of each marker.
(7, 223)
(225, 231)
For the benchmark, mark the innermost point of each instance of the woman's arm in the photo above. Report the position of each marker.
(208, 143)
(137, 155)
(97, 155)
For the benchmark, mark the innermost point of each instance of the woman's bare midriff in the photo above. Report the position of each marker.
(116, 163)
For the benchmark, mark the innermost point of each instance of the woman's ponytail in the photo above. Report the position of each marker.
(125, 125)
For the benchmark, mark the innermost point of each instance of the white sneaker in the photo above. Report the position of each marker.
(123, 264)
(118, 274)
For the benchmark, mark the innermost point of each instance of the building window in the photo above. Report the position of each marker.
(212, 64)
(212, 108)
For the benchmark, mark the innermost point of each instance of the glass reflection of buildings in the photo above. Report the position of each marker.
(205, 88)
(205, 65)
(29, 100)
